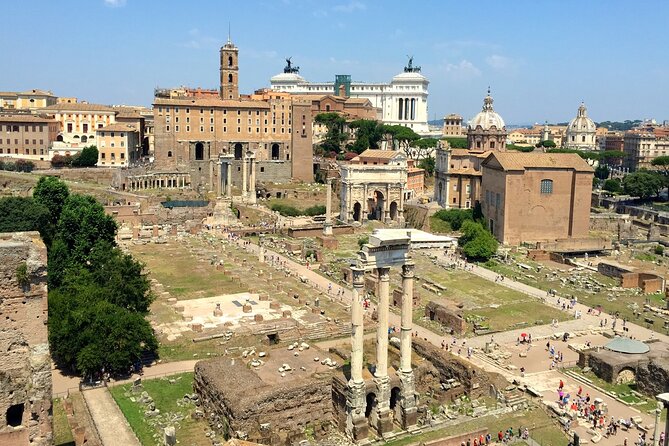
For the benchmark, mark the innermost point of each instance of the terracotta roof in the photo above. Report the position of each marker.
(8, 93)
(78, 106)
(465, 152)
(374, 153)
(211, 102)
(25, 118)
(533, 160)
(358, 100)
(36, 92)
(117, 128)
(467, 171)
(128, 115)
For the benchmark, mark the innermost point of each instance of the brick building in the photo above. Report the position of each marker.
(27, 136)
(192, 132)
(532, 197)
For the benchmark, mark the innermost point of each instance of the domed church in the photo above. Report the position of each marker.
(581, 131)
(487, 131)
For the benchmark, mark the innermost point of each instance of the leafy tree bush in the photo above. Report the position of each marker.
(87, 158)
(547, 144)
(368, 135)
(362, 241)
(59, 161)
(428, 165)
(659, 250)
(612, 185)
(602, 172)
(25, 214)
(524, 149)
(52, 193)
(455, 217)
(19, 166)
(318, 209)
(457, 143)
(335, 135)
(642, 184)
(285, 210)
(477, 242)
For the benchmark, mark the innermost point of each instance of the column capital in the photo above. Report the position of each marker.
(384, 273)
(408, 269)
(358, 274)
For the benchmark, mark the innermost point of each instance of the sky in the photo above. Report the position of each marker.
(541, 58)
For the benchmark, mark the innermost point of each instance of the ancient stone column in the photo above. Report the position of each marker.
(219, 183)
(244, 177)
(252, 180)
(228, 180)
(356, 423)
(658, 424)
(664, 399)
(384, 416)
(408, 410)
(327, 226)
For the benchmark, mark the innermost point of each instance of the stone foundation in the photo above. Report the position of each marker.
(238, 403)
(447, 317)
(25, 364)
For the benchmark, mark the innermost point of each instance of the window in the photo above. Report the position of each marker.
(169, 154)
(122, 155)
(69, 127)
(583, 138)
(492, 144)
(167, 128)
(546, 186)
(85, 128)
(497, 200)
(102, 155)
(176, 128)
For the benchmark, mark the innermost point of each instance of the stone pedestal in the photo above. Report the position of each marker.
(408, 409)
(357, 426)
(384, 416)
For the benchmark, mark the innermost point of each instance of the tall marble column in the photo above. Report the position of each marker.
(228, 179)
(252, 179)
(384, 416)
(327, 226)
(408, 410)
(356, 423)
(245, 179)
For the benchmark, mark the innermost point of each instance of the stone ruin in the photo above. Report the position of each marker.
(25, 364)
(242, 400)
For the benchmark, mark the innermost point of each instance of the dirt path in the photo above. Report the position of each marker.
(108, 418)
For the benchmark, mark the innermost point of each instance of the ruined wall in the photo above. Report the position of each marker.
(237, 402)
(445, 316)
(25, 365)
(475, 380)
(653, 378)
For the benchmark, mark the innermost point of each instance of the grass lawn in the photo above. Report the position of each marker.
(439, 226)
(166, 393)
(499, 307)
(624, 301)
(62, 434)
(183, 273)
(542, 428)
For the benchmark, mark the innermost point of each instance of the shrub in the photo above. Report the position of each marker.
(318, 209)
(363, 241)
(455, 217)
(659, 250)
(285, 210)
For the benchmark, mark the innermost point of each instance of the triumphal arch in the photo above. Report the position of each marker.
(369, 403)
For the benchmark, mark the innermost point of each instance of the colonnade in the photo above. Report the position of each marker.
(156, 181)
(407, 109)
(382, 416)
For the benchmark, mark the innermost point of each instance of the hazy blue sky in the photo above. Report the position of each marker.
(541, 58)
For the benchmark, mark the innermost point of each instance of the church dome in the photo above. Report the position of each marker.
(488, 117)
(581, 123)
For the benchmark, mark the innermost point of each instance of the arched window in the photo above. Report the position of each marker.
(169, 154)
(546, 186)
(229, 61)
(229, 77)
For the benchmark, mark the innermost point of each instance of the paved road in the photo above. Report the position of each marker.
(108, 418)
(62, 383)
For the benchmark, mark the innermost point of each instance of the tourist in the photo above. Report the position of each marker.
(561, 385)
(500, 436)
(443, 344)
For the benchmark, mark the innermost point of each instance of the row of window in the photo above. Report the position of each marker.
(27, 151)
(168, 110)
(489, 198)
(27, 141)
(225, 129)
(112, 155)
(15, 128)
(225, 121)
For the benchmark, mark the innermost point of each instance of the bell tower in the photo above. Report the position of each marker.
(229, 71)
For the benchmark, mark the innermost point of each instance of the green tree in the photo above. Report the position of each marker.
(547, 144)
(52, 193)
(87, 158)
(401, 137)
(642, 184)
(82, 223)
(335, 136)
(424, 147)
(455, 217)
(524, 149)
(368, 135)
(477, 243)
(662, 162)
(611, 156)
(602, 172)
(612, 185)
(24, 214)
(457, 143)
(428, 165)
